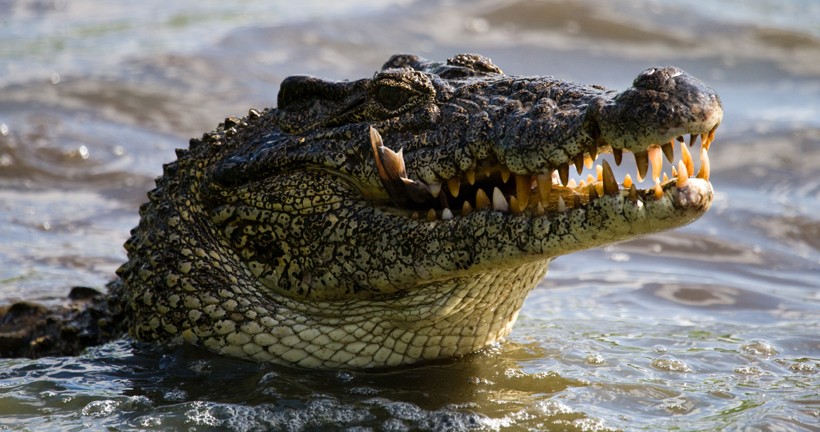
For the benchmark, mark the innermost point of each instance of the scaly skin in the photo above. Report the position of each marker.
(297, 235)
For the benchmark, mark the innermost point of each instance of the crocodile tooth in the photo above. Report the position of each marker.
(390, 164)
(514, 207)
(680, 139)
(454, 185)
(582, 183)
(704, 170)
(482, 201)
(686, 157)
(692, 139)
(590, 178)
(576, 201)
(588, 162)
(563, 171)
(627, 181)
(499, 202)
(544, 184)
(562, 207)
(466, 208)
(593, 193)
(431, 215)
(446, 214)
(710, 137)
(572, 184)
(523, 184)
(579, 163)
(675, 172)
(392, 173)
(505, 174)
(539, 209)
(610, 184)
(619, 155)
(415, 216)
(683, 176)
(642, 161)
(599, 171)
(656, 160)
(633, 194)
(658, 191)
(435, 189)
(599, 188)
(593, 151)
(665, 178)
(669, 151)
(470, 176)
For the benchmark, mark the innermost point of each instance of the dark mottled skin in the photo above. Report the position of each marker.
(282, 237)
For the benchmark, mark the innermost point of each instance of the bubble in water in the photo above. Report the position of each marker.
(670, 364)
(594, 359)
(100, 408)
(759, 348)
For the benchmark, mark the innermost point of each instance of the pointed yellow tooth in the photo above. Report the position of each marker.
(562, 206)
(599, 188)
(499, 202)
(633, 193)
(446, 214)
(599, 172)
(656, 160)
(658, 191)
(563, 171)
(669, 151)
(579, 163)
(572, 184)
(582, 183)
(642, 161)
(514, 205)
(710, 137)
(686, 157)
(482, 201)
(505, 174)
(466, 208)
(683, 176)
(592, 192)
(539, 209)
(435, 189)
(544, 183)
(704, 171)
(610, 185)
(588, 161)
(619, 155)
(590, 178)
(675, 172)
(627, 181)
(523, 183)
(431, 215)
(665, 178)
(470, 176)
(593, 152)
(454, 185)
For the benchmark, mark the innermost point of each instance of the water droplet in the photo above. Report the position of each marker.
(4, 129)
(55, 78)
(83, 151)
(659, 349)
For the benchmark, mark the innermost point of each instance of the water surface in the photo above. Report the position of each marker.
(711, 327)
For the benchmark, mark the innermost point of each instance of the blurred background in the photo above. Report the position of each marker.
(712, 326)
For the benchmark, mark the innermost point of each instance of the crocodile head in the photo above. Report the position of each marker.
(405, 216)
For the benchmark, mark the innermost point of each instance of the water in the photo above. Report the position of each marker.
(712, 327)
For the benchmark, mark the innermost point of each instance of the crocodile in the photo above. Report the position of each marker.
(394, 219)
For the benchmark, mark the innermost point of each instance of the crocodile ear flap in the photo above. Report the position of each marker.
(300, 93)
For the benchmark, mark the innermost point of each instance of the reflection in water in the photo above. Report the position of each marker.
(710, 327)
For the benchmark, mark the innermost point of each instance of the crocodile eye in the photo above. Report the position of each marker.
(392, 97)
